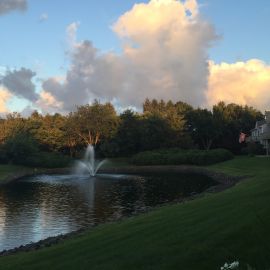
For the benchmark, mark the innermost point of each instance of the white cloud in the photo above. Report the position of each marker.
(241, 82)
(48, 104)
(71, 32)
(5, 96)
(164, 55)
(7, 6)
(165, 45)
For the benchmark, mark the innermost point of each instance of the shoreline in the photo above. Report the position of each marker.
(221, 178)
(224, 182)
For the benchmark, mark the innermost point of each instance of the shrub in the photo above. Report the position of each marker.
(19, 146)
(23, 149)
(47, 160)
(149, 158)
(178, 157)
(3, 156)
(253, 148)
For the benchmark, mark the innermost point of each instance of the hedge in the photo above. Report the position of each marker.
(179, 157)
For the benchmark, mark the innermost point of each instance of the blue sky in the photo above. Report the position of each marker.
(244, 27)
(242, 24)
(41, 46)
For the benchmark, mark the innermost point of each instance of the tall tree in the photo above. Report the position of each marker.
(96, 122)
(232, 119)
(202, 127)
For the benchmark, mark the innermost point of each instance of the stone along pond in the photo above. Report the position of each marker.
(38, 207)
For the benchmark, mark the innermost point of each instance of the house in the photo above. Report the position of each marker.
(261, 132)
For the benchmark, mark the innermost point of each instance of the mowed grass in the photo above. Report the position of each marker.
(200, 234)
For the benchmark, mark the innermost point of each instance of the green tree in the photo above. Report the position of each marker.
(94, 123)
(174, 115)
(155, 132)
(232, 119)
(202, 127)
(128, 135)
(19, 147)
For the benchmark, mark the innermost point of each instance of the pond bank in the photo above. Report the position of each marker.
(224, 181)
(15, 176)
(200, 234)
(220, 178)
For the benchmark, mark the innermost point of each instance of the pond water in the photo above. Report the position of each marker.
(37, 207)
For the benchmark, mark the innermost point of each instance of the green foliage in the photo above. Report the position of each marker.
(94, 123)
(47, 160)
(162, 124)
(18, 147)
(179, 157)
(202, 127)
(23, 149)
(231, 119)
(48, 130)
(126, 141)
(253, 148)
(155, 132)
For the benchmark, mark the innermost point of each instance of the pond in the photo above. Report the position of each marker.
(37, 207)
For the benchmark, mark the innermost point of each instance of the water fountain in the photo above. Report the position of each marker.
(88, 164)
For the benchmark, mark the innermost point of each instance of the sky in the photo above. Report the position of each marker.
(56, 55)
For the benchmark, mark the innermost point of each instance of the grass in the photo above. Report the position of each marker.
(200, 234)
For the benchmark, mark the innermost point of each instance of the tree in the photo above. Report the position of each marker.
(232, 119)
(71, 139)
(13, 123)
(174, 115)
(155, 132)
(202, 127)
(20, 146)
(93, 123)
(48, 130)
(128, 135)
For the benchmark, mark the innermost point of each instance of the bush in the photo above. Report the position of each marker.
(22, 149)
(253, 148)
(19, 146)
(47, 160)
(178, 157)
(3, 156)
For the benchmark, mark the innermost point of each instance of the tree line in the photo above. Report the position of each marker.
(160, 125)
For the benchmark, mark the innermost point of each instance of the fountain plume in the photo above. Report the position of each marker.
(89, 164)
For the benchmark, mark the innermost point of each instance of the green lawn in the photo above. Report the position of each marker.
(199, 234)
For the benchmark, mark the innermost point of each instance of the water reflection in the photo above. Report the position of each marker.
(41, 206)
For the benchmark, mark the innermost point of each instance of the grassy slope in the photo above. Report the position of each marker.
(200, 234)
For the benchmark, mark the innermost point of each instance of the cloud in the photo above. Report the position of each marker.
(43, 17)
(5, 96)
(19, 83)
(7, 6)
(47, 103)
(241, 82)
(164, 55)
(71, 32)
